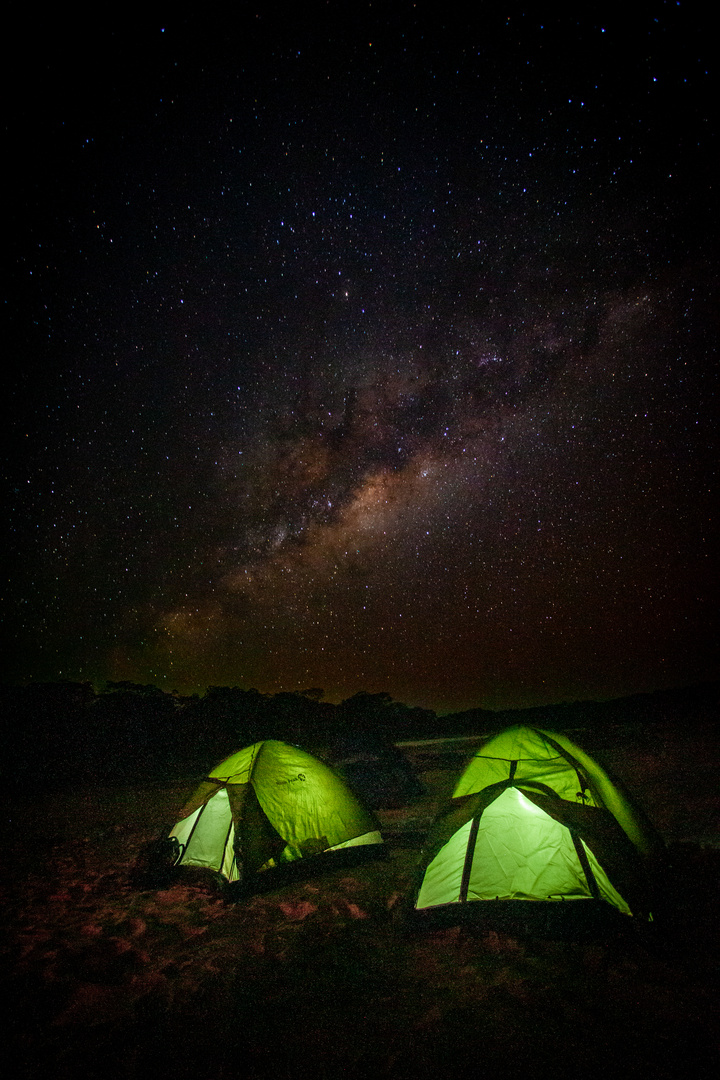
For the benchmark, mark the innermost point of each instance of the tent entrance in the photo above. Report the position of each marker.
(521, 853)
(513, 851)
(206, 836)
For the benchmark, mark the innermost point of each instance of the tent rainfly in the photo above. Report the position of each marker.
(534, 818)
(265, 806)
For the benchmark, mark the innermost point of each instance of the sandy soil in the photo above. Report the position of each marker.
(322, 979)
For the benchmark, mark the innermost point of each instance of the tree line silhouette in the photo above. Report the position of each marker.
(66, 732)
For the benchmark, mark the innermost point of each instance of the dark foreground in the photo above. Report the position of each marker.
(321, 979)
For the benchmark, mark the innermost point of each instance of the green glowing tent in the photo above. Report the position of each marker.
(264, 807)
(534, 818)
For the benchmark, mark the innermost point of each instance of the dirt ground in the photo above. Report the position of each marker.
(323, 979)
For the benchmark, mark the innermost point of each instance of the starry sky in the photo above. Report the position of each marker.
(364, 347)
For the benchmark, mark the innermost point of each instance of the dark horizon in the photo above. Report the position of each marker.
(365, 350)
(705, 692)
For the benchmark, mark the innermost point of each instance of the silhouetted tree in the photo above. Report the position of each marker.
(380, 713)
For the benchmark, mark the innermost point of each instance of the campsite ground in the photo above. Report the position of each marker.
(320, 979)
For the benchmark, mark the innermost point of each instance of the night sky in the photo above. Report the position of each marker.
(366, 349)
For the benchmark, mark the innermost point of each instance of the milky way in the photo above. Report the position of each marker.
(367, 353)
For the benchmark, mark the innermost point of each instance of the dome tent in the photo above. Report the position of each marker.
(534, 818)
(263, 808)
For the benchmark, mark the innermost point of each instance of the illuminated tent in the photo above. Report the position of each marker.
(534, 818)
(266, 806)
